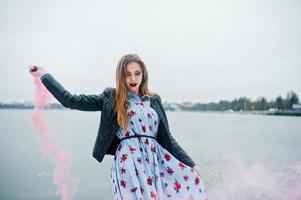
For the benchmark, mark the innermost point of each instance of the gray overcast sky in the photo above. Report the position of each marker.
(194, 50)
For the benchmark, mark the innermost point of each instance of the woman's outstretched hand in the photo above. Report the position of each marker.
(36, 71)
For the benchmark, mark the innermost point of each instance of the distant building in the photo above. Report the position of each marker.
(296, 106)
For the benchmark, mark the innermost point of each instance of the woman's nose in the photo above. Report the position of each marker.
(133, 78)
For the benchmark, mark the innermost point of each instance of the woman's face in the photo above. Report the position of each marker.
(133, 76)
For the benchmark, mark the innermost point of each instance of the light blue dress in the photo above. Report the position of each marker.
(143, 169)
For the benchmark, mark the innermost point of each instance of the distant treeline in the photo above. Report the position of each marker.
(29, 106)
(238, 104)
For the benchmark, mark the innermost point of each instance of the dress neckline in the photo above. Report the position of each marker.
(132, 95)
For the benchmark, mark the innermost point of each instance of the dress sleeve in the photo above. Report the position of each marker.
(179, 152)
(81, 102)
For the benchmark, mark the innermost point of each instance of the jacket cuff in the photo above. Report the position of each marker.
(45, 76)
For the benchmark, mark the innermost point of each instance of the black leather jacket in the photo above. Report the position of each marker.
(106, 140)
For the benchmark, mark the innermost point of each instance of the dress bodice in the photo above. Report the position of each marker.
(143, 119)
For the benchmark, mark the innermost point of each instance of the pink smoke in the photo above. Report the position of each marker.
(65, 183)
(238, 179)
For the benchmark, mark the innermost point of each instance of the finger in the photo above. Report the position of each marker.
(31, 66)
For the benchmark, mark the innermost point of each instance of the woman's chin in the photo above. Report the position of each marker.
(133, 90)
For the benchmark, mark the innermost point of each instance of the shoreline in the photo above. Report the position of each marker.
(255, 112)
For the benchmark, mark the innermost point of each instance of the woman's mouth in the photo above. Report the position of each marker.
(133, 84)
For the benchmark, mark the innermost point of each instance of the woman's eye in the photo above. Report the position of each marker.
(137, 74)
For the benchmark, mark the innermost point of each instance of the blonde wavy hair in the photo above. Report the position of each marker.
(121, 100)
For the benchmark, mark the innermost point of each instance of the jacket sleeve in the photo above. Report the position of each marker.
(180, 153)
(79, 102)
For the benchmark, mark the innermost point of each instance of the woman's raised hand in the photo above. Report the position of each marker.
(36, 70)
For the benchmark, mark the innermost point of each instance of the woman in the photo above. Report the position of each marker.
(148, 161)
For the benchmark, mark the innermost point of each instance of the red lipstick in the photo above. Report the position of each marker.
(133, 84)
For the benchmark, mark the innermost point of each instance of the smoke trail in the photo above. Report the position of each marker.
(234, 178)
(65, 183)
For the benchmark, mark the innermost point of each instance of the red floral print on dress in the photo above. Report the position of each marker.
(167, 157)
(181, 165)
(148, 163)
(177, 186)
(127, 134)
(153, 149)
(123, 183)
(144, 128)
(146, 141)
(153, 195)
(170, 171)
(131, 113)
(119, 147)
(123, 171)
(123, 157)
(149, 181)
(132, 149)
(149, 115)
